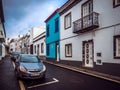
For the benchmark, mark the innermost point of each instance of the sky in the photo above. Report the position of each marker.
(22, 15)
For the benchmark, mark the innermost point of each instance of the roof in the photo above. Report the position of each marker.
(52, 14)
(68, 5)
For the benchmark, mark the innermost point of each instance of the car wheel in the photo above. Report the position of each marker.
(44, 76)
(16, 73)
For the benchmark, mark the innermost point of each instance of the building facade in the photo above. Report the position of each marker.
(13, 45)
(90, 34)
(39, 46)
(34, 32)
(2, 32)
(52, 36)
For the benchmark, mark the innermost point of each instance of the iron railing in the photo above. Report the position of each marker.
(86, 23)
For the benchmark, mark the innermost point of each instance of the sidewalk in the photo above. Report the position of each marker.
(8, 80)
(88, 72)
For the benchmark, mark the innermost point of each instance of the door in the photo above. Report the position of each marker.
(87, 9)
(57, 52)
(38, 49)
(88, 54)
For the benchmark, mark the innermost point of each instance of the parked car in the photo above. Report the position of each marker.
(29, 67)
(14, 55)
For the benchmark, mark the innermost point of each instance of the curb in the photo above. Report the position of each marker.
(108, 77)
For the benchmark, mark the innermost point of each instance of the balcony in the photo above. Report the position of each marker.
(86, 23)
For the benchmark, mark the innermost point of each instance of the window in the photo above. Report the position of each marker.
(48, 48)
(68, 50)
(35, 49)
(116, 3)
(87, 8)
(56, 24)
(38, 49)
(67, 21)
(48, 27)
(1, 32)
(42, 47)
(117, 47)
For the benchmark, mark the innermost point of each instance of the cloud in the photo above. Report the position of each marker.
(21, 15)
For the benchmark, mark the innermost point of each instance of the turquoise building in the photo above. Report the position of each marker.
(53, 36)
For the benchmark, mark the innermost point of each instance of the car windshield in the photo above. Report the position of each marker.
(29, 59)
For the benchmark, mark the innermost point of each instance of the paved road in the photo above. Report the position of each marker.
(8, 80)
(56, 79)
(62, 79)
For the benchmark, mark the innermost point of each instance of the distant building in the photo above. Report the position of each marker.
(53, 36)
(31, 41)
(13, 45)
(34, 32)
(40, 45)
(2, 32)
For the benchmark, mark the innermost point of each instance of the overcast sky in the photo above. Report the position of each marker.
(22, 15)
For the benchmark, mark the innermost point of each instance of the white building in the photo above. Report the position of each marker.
(39, 45)
(2, 32)
(13, 45)
(90, 33)
(34, 32)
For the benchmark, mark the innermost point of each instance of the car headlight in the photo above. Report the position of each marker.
(23, 69)
(44, 68)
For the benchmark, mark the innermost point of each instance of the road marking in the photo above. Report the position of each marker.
(22, 87)
(85, 72)
(43, 84)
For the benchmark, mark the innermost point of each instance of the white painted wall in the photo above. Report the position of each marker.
(107, 14)
(39, 43)
(103, 38)
(38, 30)
(35, 31)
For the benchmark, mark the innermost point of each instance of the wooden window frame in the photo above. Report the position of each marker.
(114, 47)
(114, 4)
(66, 51)
(65, 20)
(83, 6)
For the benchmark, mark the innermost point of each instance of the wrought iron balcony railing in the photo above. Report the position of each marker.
(86, 23)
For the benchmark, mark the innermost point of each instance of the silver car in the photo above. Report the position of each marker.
(29, 67)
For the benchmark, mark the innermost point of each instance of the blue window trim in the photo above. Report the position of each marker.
(48, 30)
(56, 24)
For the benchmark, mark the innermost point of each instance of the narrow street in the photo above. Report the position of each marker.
(8, 79)
(69, 80)
(56, 79)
